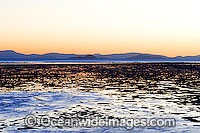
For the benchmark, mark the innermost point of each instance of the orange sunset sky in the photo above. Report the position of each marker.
(167, 27)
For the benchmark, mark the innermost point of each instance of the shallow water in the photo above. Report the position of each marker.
(15, 106)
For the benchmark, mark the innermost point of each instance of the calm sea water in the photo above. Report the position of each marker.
(92, 61)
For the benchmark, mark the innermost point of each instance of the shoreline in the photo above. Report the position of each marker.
(96, 63)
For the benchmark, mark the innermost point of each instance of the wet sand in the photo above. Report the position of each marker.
(138, 90)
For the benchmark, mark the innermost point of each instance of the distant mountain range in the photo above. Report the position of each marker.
(9, 55)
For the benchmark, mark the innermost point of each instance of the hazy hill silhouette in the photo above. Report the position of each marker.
(10, 55)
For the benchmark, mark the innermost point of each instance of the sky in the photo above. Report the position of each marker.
(166, 27)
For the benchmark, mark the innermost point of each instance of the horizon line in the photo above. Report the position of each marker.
(98, 53)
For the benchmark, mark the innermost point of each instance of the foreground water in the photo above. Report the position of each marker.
(15, 106)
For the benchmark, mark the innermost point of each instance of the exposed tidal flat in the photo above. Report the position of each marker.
(119, 90)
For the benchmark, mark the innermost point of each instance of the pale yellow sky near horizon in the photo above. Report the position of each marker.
(167, 27)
